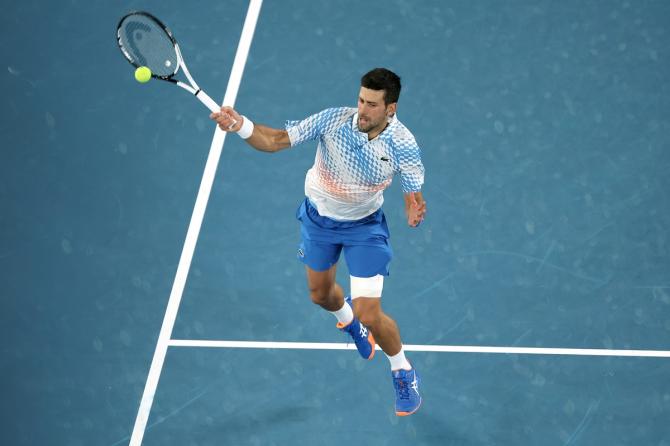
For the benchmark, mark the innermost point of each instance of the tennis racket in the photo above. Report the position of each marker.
(146, 41)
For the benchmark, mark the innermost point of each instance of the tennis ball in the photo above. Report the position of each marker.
(143, 75)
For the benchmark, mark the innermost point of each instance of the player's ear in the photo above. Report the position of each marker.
(391, 109)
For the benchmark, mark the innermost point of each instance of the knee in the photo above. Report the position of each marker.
(319, 295)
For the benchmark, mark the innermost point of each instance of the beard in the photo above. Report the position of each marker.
(366, 126)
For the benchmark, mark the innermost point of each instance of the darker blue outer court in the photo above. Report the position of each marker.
(544, 129)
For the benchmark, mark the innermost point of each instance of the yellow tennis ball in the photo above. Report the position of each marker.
(142, 75)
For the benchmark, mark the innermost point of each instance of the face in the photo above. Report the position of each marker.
(373, 112)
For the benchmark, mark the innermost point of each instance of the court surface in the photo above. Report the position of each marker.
(545, 129)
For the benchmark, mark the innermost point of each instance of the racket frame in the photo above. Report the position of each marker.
(193, 88)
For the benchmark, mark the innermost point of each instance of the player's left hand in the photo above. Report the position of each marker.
(415, 208)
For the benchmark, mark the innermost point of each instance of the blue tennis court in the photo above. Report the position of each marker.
(535, 298)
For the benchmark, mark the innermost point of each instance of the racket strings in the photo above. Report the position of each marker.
(145, 43)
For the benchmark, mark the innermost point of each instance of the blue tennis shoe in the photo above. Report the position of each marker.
(407, 398)
(365, 342)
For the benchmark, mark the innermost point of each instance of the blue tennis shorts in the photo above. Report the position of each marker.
(365, 242)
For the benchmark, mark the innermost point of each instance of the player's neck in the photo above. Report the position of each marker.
(372, 134)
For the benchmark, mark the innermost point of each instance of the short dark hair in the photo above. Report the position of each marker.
(383, 79)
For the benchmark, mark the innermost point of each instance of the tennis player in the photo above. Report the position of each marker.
(358, 153)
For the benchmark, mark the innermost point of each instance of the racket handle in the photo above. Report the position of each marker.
(209, 102)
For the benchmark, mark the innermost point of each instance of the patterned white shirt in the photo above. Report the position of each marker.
(350, 173)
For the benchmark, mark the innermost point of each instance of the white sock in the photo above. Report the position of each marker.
(398, 361)
(344, 315)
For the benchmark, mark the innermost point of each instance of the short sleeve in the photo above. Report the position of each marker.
(315, 126)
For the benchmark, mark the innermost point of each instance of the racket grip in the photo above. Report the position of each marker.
(209, 102)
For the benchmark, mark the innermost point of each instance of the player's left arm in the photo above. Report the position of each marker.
(415, 208)
(408, 156)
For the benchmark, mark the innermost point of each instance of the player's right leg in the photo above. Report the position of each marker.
(325, 292)
(320, 250)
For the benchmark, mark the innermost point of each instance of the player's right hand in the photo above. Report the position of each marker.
(227, 119)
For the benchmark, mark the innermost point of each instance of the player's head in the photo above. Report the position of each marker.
(377, 99)
(381, 79)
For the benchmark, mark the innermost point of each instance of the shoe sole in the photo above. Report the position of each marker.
(373, 344)
(405, 414)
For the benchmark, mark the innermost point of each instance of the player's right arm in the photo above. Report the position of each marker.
(268, 139)
(263, 138)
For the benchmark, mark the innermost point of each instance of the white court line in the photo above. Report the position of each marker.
(194, 228)
(423, 348)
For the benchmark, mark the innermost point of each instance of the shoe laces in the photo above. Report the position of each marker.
(401, 388)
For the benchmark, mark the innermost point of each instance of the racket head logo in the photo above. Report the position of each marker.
(145, 41)
(130, 33)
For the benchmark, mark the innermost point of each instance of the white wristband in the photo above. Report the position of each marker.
(247, 128)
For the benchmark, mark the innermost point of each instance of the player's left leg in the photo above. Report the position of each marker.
(368, 265)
